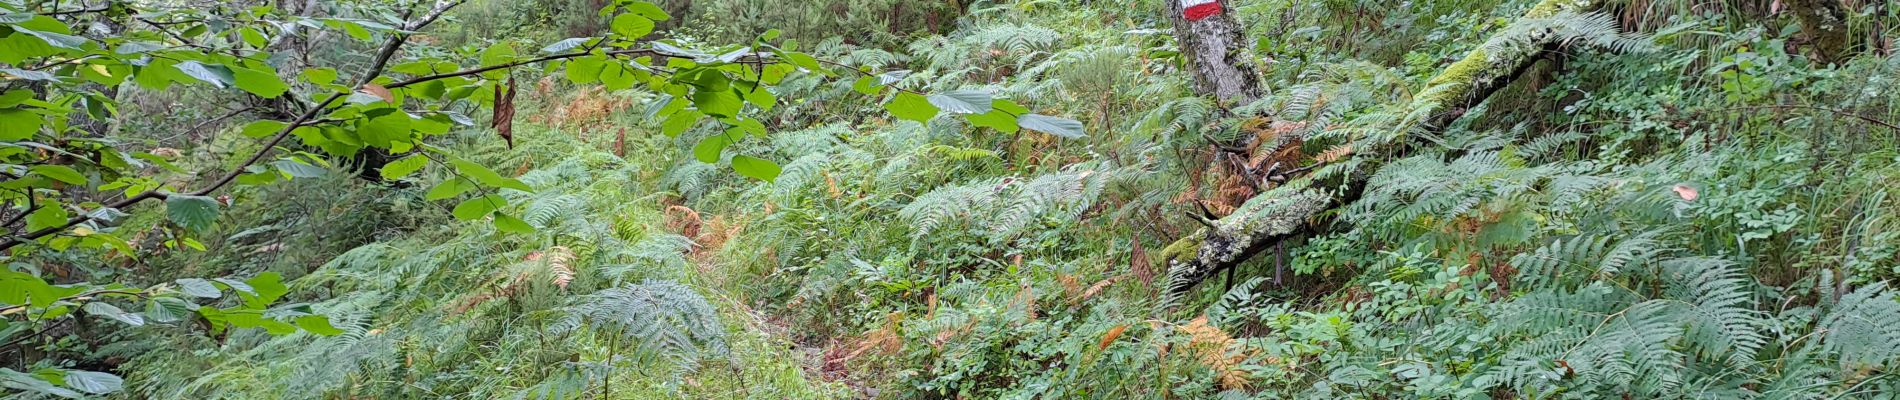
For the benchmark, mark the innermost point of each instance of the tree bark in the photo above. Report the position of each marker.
(1216, 50)
(1286, 212)
(1824, 22)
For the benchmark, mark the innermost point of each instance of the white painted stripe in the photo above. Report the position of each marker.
(1190, 3)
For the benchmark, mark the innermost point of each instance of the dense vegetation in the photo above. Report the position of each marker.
(348, 199)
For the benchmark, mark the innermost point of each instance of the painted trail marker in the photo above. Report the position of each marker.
(1196, 10)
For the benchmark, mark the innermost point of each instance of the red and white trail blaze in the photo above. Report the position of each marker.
(1196, 10)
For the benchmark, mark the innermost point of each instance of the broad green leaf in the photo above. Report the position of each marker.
(403, 167)
(59, 173)
(298, 169)
(34, 386)
(320, 76)
(508, 223)
(498, 54)
(267, 287)
(488, 177)
(911, 106)
(23, 288)
(198, 288)
(216, 75)
(55, 39)
(680, 122)
(632, 26)
(14, 97)
(805, 61)
(195, 213)
(616, 76)
(962, 101)
(29, 75)
(1001, 117)
(318, 325)
(109, 311)
(475, 208)
(261, 83)
(47, 216)
(384, 131)
(565, 44)
(166, 309)
(648, 10)
(263, 128)
(867, 85)
(1064, 127)
(708, 149)
(585, 70)
(449, 188)
(94, 382)
(18, 124)
(755, 168)
(718, 103)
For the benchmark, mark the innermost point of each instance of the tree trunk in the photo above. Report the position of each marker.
(1286, 212)
(1215, 47)
(1825, 25)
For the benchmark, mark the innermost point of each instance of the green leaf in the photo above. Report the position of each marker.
(29, 75)
(911, 106)
(112, 312)
(320, 76)
(565, 44)
(488, 177)
(632, 26)
(268, 287)
(449, 188)
(680, 122)
(261, 83)
(47, 216)
(585, 70)
(648, 10)
(216, 75)
(508, 223)
(59, 173)
(318, 325)
(708, 149)
(166, 309)
(18, 124)
(14, 97)
(403, 167)
(867, 85)
(263, 129)
(755, 168)
(94, 382)
(195, 213)
(962, 101)
(475, 208)
(54, 39)
(805, 61)
(616, 76)
(1064, 127)
(299, 169)
(384, 131)
(759, 96)
(1002, 116)
(198, 288)
(718, 103)
(498, 54)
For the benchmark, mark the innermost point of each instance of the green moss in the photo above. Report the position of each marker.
(1184, 249)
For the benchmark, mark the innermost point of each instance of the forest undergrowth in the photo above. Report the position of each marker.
(1490, 198)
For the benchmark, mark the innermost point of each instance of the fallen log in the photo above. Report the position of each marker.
(1289, 210)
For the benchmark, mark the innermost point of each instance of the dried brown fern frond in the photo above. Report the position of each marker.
(560, 263)
(1210, 345)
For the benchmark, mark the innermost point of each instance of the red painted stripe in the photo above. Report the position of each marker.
(1201, 11)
